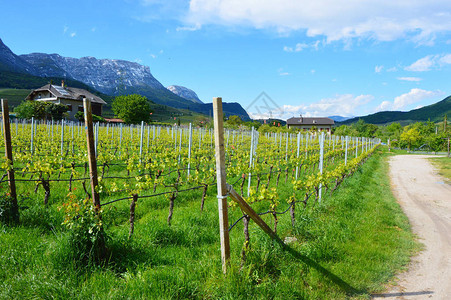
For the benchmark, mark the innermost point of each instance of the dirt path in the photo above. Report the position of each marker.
(426, 200)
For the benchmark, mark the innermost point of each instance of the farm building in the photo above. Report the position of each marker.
(72, 97)
(321, 124)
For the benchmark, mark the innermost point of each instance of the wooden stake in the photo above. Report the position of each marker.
(132, 215)
(91, 152)
(221, 183)
(9, 157)
(247, 209)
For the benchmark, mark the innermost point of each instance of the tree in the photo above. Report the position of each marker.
(132, 108)
(80, 116)
(410, 136)
(25, 110)
(55, 111)
(41, 110)
(234, 120)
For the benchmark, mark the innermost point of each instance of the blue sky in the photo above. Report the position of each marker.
(316, 58)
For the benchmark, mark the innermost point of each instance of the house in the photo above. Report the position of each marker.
(72, 97)
(321, 124)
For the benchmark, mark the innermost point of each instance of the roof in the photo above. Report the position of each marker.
(70, 93)
(113, 120)
(310, 121)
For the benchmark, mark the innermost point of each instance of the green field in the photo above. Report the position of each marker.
(14, 96)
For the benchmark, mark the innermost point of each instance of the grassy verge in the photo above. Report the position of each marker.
(348, 246)
(443, 164)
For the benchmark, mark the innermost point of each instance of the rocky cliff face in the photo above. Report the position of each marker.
(185, 93)
(108, 76)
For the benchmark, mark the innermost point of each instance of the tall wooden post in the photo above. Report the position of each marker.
(448, 147)
(91, 152)
(9, 157)
(221, 183)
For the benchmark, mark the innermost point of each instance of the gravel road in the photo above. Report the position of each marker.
(426, 200)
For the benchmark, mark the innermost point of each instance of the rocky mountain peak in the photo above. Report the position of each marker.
(185, 93)
(105, 75)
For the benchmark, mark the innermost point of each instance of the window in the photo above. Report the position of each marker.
(69, 107)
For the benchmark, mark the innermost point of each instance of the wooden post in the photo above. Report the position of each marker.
(448, 147)
(9, 157)
(132, 215)
(221, 183)
(245, 207)
(91, 152)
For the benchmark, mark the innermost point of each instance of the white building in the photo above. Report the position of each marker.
(321, 124)
(72, 97)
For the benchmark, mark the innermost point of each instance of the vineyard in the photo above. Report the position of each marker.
(160, 163)
(153, 174)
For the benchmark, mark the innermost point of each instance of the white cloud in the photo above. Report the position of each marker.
(445, 59)
(414, 96)
(298, 48)
(385, 105)
(392, 69)
(281, 72)
(66, 30)
(378, 69)
(342, 105)
(405, 100)
(422, 65)
(412, 79)
(301, 46)
(428, 62)
(383, 20)
(189, 28)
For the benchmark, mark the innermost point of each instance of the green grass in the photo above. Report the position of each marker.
(348, 246)
(14, 96)
(443, 164)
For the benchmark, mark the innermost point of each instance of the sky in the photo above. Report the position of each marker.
(276, 58)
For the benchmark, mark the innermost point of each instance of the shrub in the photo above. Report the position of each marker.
(87, 237)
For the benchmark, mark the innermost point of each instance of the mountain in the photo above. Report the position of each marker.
(109, 76)
(434, 112)
(228, 108)
(10, 62)
(185, 93)
(339, 118)
(105, 75)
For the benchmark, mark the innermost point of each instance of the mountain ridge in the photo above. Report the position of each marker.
(433, 112)
(112, 77)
